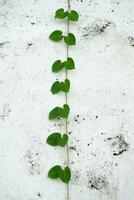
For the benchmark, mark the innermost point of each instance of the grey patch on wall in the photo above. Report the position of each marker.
(98, 182)
(76, 119)
(118, 145)
(76, 176)
(33, 161)
(5, 111)
(59, 123)
(79, 119)
(3, 2)
(72, 148)
(131, 41)
(1, 82)
(96, 28)
(39, 195)
(101, 180)
(29, 44)
(3, 43)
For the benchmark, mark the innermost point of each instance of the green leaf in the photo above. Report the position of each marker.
(59, 112)
(70, 39)
(54, 113)
(57, 172)
(53, 139)
(57, 66)
(55, 87)
(65, 175)
(56, 35)
(69, 64)
(54, 172)
(60, 86)
(56, 139)
(60, 13)
(65, 86)
(62, 141)
(64, 112)
(73, 15)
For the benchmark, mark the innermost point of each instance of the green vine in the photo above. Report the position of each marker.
(56, 138)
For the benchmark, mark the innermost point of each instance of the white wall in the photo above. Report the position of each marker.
(101, 100)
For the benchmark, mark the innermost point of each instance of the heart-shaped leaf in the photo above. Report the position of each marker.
(56, 139)
(60, 86)
(66, 109)
(55, 87)
(73, 15)
(70, 39)
(54, 113)
(54, 172)
(65, 86)
(64, 112)
(56, 35)
(65, 175)
(57, 66)
(59, 112)
(69, 64)
(53, 139)
(57, 172)
(60, 13)
(62, 141)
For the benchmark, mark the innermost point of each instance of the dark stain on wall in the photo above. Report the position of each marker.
(5, 111)
(118, 145)
(131, 41)
(96, 28)
(33, 161)
(98, 182)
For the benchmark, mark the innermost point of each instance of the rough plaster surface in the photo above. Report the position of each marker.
(101, 123)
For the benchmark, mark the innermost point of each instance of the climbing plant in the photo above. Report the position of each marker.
(56, 138)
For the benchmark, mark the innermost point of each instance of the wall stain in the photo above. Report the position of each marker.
(5, 111)
(29, 44)
(131, 41)
(98, 182)
(3, 43)
(39, 195)
(72, 148)
(96, 28)
(33, 161)
(76, 177)
(118, 144)
(3, 2)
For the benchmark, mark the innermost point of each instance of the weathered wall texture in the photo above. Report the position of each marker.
(101, 98)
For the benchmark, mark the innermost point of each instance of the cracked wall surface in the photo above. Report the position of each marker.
(101, 98)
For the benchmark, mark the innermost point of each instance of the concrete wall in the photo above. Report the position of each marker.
(101, 123)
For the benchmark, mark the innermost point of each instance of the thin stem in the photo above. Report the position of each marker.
(69, 4)
(66, 99)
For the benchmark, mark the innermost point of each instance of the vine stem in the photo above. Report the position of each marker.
(66, 99)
